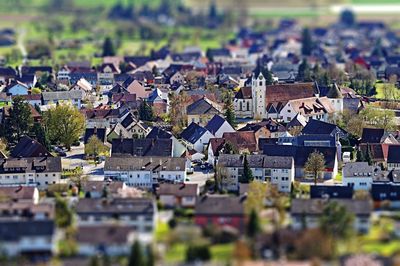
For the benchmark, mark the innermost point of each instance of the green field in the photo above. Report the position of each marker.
(221, 253)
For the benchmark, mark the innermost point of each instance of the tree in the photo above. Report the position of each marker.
(150, 261)
(94, 261)
(304, 73)
(177, 111)
(307, 43)
(65, 124)
(315, 164)
(95, 147)
(229, 111)
(198, 252)
(19, 121)
(146, 112)
(64, 214)
(136, 256)
(41, 135)
(255, 197)
(247, 176)
(253, 225)
(380, 118)
(108, 47)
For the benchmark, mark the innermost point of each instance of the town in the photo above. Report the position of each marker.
(281, 146)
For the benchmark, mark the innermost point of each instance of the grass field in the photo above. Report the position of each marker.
(221, 253)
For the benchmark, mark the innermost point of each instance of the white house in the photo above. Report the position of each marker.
(196, 137)
(144, 172)
(218, 126)
(359, 175)
(37, 171)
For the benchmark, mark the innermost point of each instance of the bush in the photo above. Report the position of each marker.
(198, 252)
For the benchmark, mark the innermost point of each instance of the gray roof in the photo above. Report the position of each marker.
(103, 234)
(219, 205)
(316, 206)
(140, 206)
(178, 190)
(145, 164)
(256, 161)
(15, 230)
(50, 164)
(62, 95)
(360, 169)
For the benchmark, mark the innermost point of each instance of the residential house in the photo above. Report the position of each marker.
(218, 126)
(7, 74)
(100, 133)
(24, 194)
(98, 189)
(301, 154)
(360, 175)
(178, 148)
(277, 170)
(138, 213)
(74, 97)
(267, 128)
(84, 86)
(201, 111)
(39, 171)
(105, 117)
(159, 101)
(220, 210)
(178, 195)
(306, 213)
(314, 107)
(331, 192)
(196, 137)
(109, 239)
(215, 147)
(242, 141)
(28, 147)
(17, 88)
(141, 147)
(105, 74)
(393, 158)
(144, 172)
(317, 127)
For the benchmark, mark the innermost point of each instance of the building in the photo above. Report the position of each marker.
(33, 171)
(201, 111)
(393, 158)
(218, 126)
(178, 195)
(74, 97)
(306, 213)
(277, 170)
(144, 172)
(220, 210)
(142, 147)
(243, 103)
(359, 175)
(23, 194)
(138, 213)
(196, 137)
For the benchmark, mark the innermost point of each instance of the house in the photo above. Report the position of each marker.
(74, 97)
(306, 213)
(393, 158)
(159, 101)
(28, 147)
(109, 239)
(218, 126)
(100, 133)
(331, 192)
(24, 194)
(277, 170)
(220, 211)
(377, 151)
(135, 87)
(129, 127)
(242, 103)
(138, 213)
(84, 86)
(124, 99)
(105, 73)
(178, 195)
(34, 171)
(301, 154)
(385, 192)
(317, 127)
(7, 74)
(141, 147)
(36, 239)
(178, 148)
(314, 107)
(144, 172)
(359, 175)
(242, 141)
(214, 148)
(104, 116)
(98, 189)
(372, 135)
(196, 137)
(267, 128)
(201, 111)
(32, 99)
(17, 88)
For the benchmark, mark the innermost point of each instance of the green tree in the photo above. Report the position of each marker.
(146, 112)
(253, 224)
(198, 252)
(255, 197)
(307, 43)
(315, 164)
(150, 260)
(94, 261)
(41, 135)
(136, 256)
(229, 111)
(108, 47)
(95, 147)
(19, 122)
(63, 213)
(380, 118)
(347, 18)
(247, 176)
(65, 124)
(304, 72)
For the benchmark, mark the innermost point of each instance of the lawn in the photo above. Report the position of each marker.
(339, 177)
(219, 253)
(379, 90)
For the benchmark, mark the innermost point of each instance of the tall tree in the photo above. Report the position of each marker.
(41, 135)
(95, 147)
(315, 164)
(307, 43)
(247, 176)
(304, 73)
(229, 111)
(65, 124)
(64, 214)
(19, 122)
(108, 47)
(146, 112)
(253, 225)
(136, 256)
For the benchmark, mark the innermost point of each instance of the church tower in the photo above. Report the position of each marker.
(258, 89)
